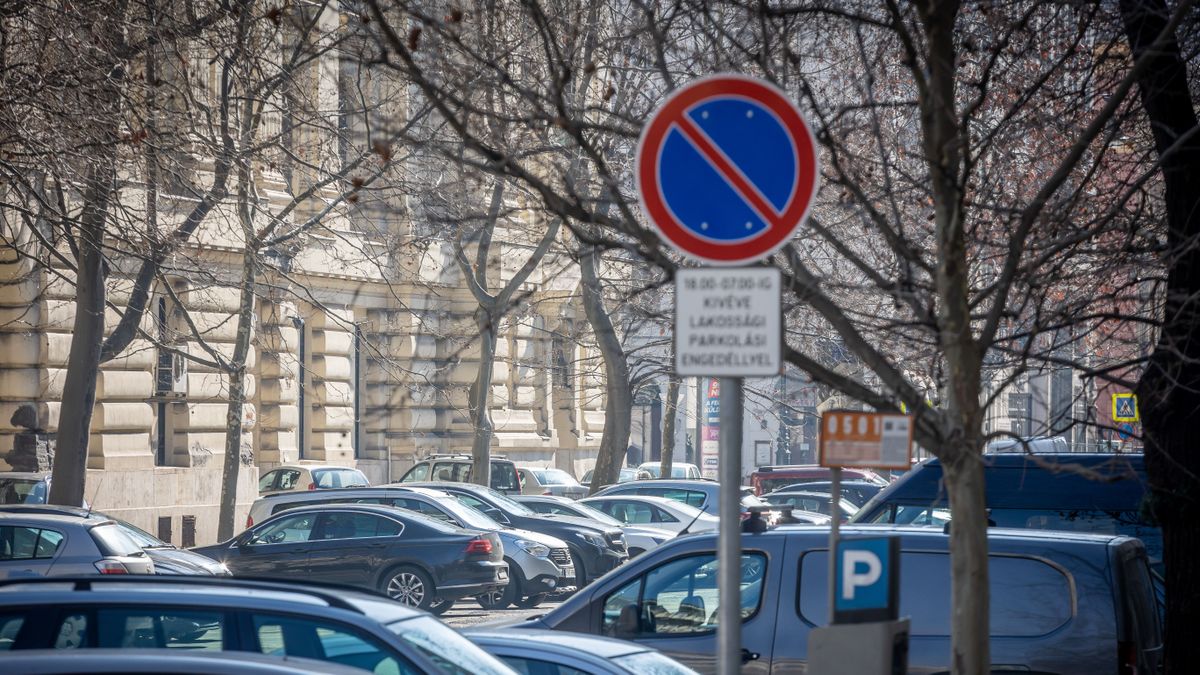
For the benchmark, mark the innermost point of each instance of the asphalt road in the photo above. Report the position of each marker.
(467, 613)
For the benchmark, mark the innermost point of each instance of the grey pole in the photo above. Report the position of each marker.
(835, 519)
(729, 537)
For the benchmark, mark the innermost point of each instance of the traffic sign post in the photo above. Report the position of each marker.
(726, 170)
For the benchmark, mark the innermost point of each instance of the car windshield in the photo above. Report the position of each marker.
(339, 478)
(450, 652)
(22, 491)
(651, 663)
(141, 537)
(595, 514)
(470, 517)
(553, 476)
(508, 504)
(112, 541)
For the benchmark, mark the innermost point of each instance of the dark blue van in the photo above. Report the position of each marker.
(1037, 491)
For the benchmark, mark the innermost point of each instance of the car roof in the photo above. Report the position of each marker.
(79, 661)
(443, 484)
(24, 475)
(557, 641)
(54, 519)
(52, 510)
(203, 590)
(558, 499)
(651, 499)
(697, 483)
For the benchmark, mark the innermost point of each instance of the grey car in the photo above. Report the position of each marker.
(167, 558)
(44, 545)
(1061, 602)
(699, 493)
(159, 661)
(538, 564)
(544, 651)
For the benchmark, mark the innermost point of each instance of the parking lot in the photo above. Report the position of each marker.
(467, 613)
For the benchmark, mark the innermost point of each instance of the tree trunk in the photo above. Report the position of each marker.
(968, 564)
(83, 365)
(669, 411)
(481, 400)
(618, 399)
(1169, 390)
(237, 398)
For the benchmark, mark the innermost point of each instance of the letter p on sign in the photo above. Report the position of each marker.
(859, 568)
(865, 579)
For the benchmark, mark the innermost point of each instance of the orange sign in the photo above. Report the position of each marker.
(866, 439)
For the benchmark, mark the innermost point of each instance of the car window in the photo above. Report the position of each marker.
(10, 625)
(28, 543)
(267, 482)
(553, 477)
(662, 516)
(504, 477)
(355, 526)
(325, 641)
(679, 598)
(1029, 598)
(457, 472)
(339, 478)
(22, 491)
(652, 663)
(120, 628)
(422, 508)
(528, 666)
(287, 479)
(286, 530)
(418, 473)
(588, 511)
(112, 541)
(452, 653)
(587, 476)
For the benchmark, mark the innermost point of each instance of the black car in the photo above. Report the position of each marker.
(167, 558)
(412, 558)
(595, 548)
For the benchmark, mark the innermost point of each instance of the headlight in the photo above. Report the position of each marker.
(593, 539)
(533, 548)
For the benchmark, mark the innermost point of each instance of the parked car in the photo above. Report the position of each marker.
(557, 653)
(623, 476)
(638, 538)
(307, 477)
(413, 559)
(770, 478)
(457, 469)
(701, 494)
(595, 548)
(338, 625)
(167, 558)
(817, 502)
(45, 545)
(1051, 444)
(21, 487)
(678, 470)
(858, 492)
(1027, 492)
(538, 564)
(550, 482)
(158, 661)
(1060, 602)
(660, 512)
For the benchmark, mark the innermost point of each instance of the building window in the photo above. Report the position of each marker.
(1019, 408)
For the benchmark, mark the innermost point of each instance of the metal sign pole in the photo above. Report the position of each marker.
(729, 538)
(835, 513)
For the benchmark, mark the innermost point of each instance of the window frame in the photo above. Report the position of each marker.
(602, 599)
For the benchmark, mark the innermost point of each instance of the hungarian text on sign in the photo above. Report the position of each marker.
(727, 322)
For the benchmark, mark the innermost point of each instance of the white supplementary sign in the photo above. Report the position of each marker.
(866, 439)
(728, 322)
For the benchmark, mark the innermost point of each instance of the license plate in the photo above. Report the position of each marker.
(568, 572)
(501, 575)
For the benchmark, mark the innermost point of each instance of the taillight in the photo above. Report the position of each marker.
(479, 545)
(1127, 658)
(547, 493)
(249, 522)
(110, 567)
(312, 486)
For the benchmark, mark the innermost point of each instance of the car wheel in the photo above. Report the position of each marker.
(531, 601)
(501, 599)
(409, 586)
(439, 607)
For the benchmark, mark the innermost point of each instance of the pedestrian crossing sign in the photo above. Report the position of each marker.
(1125, 408)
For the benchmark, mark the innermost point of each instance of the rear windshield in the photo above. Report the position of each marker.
(22, 491)
(553, 476)
(339, 478)
(655, 470)
(504, 477)
(112, 541)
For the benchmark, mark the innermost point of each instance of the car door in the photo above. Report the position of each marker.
(277, 548)
(673, 607)
(268, 481)
(348, 547)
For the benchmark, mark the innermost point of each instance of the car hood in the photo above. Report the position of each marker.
(577, 521)
(181, 561)
(543, 539)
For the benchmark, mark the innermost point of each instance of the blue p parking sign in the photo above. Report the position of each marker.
(865, 579)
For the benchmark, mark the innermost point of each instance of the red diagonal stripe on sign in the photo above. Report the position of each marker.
(727, 170)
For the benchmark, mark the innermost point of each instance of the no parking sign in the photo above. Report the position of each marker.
(727, 169)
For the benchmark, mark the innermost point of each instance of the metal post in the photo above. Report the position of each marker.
(729, 538)
(835, 513)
